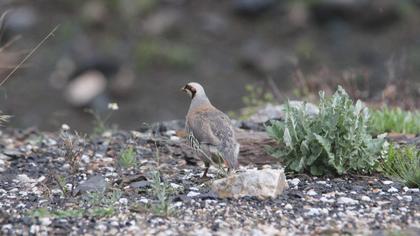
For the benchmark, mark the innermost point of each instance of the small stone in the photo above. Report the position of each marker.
(144, 200)
(288, 206)
(365, 198)
(347, 201)
(96, 183)
(311, 192)
(265, 183)
(408, 198)
(392, 190)
(313, 212)
(123, 201)
(294, 181)
(45, 221)
(387, 182)
(193, 194)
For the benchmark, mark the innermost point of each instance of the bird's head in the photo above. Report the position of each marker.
(194, 90)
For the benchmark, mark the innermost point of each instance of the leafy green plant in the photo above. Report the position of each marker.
(334, 141)
(394, 120)
(403, 164)
(161, 190)
(128, 158)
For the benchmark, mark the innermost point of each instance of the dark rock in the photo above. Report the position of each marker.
(140, 184)
(96, 183)
(368, 14)
(252, 7)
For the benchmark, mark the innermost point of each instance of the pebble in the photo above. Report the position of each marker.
(392, 190)
(365, 198)
(311, 192)
(387, 182)
(193, 194)
(294, 181)
(288, 206)
(347, 201)
(123, 201)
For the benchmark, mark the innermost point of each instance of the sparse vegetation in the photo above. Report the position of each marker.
(161, 192)
(255, 98)
(128, 158)
(334, 141)
(96, 205)
(403, 164)
(100, 123)
(72, 148)
(394, 120)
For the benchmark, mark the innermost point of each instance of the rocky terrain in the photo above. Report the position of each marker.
(42, 191)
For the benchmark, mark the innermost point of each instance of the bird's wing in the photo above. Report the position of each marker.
(211, 127)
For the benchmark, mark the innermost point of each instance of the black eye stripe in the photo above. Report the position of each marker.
(191, 89)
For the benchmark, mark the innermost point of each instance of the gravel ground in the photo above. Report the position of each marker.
(31, 201)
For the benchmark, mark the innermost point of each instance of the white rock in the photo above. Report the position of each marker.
(387, 182)
(144, 200)
(408, 198)
(266, 183)
(311, 192)
(347, 201)
(365, 198)
(392, 190)
(313, 212)
(288, 206)
(327, 200)
(45, 221)
(175, 186)
(294, 181)
(123, 201)
(193, 194)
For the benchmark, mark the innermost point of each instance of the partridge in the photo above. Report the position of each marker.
(210, 131)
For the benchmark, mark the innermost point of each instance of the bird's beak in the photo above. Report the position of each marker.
(183, 89)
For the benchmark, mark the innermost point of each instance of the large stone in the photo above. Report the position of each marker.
(263, 184)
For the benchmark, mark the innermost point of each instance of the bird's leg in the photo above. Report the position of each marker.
(207, 165)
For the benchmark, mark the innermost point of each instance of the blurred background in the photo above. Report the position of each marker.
(139, 53)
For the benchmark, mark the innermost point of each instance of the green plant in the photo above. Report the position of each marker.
(72, 147)
(128, 158)
(394, 120)
(255, 98)
(161, 191)
(334, 141)
(100, 123)
(403, 164)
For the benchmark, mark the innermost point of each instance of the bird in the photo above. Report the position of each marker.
(210, 131)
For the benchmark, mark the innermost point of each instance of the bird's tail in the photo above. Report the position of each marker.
(230, 154)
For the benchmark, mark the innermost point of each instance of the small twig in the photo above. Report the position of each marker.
(275, 89)
(50, 34)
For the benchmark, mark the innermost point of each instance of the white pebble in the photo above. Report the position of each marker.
(288, 206)
(193, 194)
(365, 198)
(311, 192)
(347, 201)
(387, 182)
(123, 201)
(408, 198)
(392, 190)
(294, 181)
